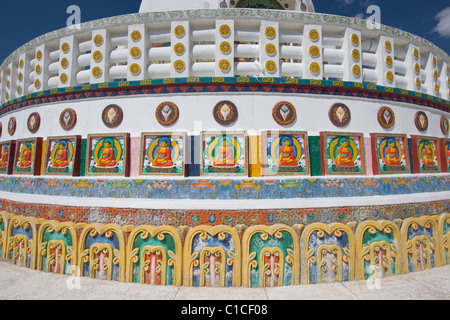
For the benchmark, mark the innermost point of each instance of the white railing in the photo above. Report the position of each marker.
(225, 47)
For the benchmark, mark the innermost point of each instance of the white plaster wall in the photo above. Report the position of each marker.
(196, 114)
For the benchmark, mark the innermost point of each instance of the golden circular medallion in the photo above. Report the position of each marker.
(136, 35)
(417, 68)
(314, 35)
(98, 40)
(271, 49)
(225, 47)
(314, 68)
(97, 56)
(135, 69)
(355, 39)
(19, 89)
(271, 66)
(9, 71)
(135, 52)
(434, 61)
(435, 74)
(418, 83)
(21, 63)
(314, 51)
(179, 49)
(356, 70)
(37, 83)
(416, 53)
(38, 69)
(64, 63)
(270, 32)
(179, 65)
(63, 78)
(356, 55)
(390, 76)
(65, 47)
(39, 55)
(7, 96)
(20, 76)
(224, 65)
(388, 46)
(436, 87)
(8, 84)
(97, 72)
(179, 31)
(389, 61)
(224, 30)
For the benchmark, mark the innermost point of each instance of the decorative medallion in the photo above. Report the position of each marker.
(388, 46)
(389, 61)
(386, 117)
(434, 61)
(271, 50)
(284, 113)
(68, 119)
(339, 115)
(179, 65)
(179, 31)
(435, 75)
(390, 76)
(12, 126)
(20, 76)
(37, 83)
(39, 55)
(356, 55)
(167, 113)
(97, 72)
(179, 49)
(418, 83)
(270, 33)
(314, 35)
(225, 47)
(314, 68)
(356, 70)
(64, 63)
(97, 56)
(416, 53)
(38, 69)
(444, 125)
(417, 68)
(98, 40)
(9, 71)
(225, 113)
(34, 122)
(136, 35)
(65, 47)
(314, 51)
(21, 63)
(271, 66)
(63, 78)
(355, 39)
(135, 69)
(19, 89)
(224, 30)
(421, 121)
(8, 84)
(436, 87)
(224, 65)
(112, 116)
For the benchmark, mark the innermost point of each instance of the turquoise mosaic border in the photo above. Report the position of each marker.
(221, 189)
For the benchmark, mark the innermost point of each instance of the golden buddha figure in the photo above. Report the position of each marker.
(344, 155)
(225, 156)
(287, 154)
(163, 157)
(4, 156)
(392, 157)
(25, 156)
(107, 155)
(428, 154)
(60, 159)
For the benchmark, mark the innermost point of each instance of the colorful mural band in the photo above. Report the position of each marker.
(224, 256)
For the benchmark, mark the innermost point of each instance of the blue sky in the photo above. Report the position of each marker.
(24, 20)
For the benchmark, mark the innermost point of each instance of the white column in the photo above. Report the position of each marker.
(385, 62)
(10, 85)
(224, 50)
(137, 58)
(413, 69)
(269, 48)
(312, 52)
(432, 76)
(352, 56)
(180, 49)
(445, 81)
(41, 68)
(68, 64)
(23, 71)
(2, 86)
(100, 56)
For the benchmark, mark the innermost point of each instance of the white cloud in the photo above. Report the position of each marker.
(443, 26)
